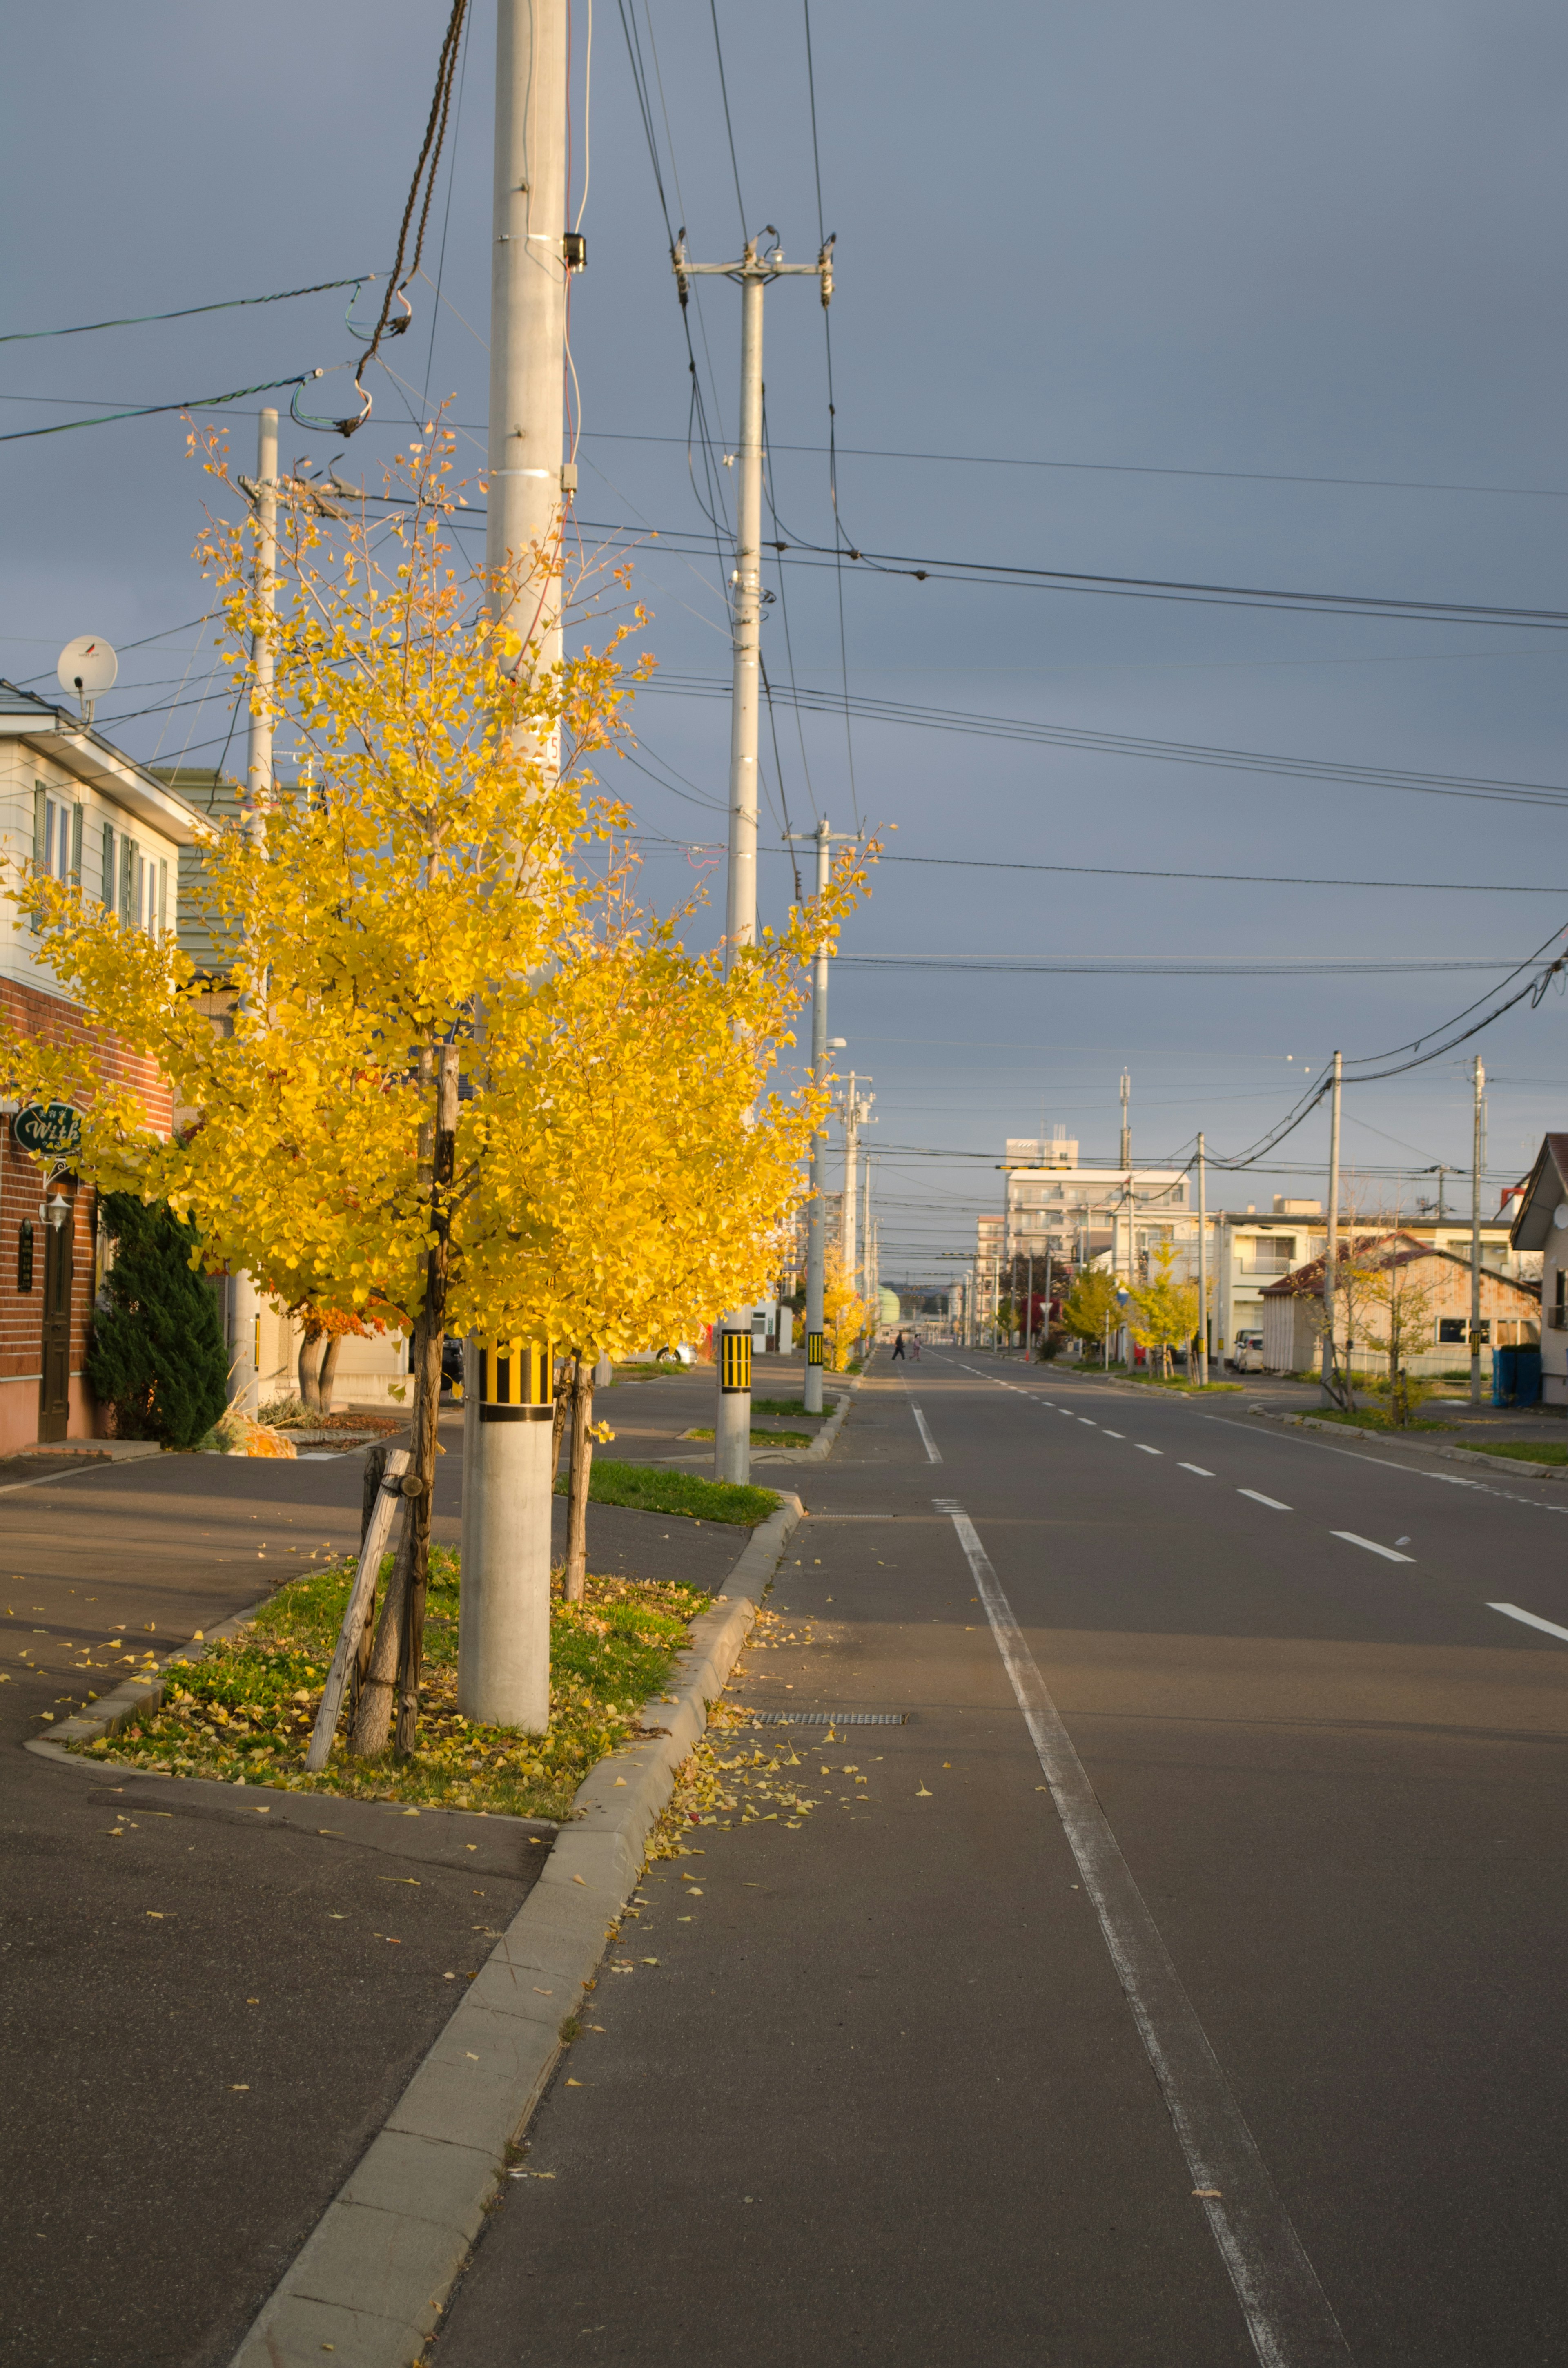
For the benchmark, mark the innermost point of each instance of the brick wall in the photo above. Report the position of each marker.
(22, 1189)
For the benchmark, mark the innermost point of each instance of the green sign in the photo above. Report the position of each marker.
(54, 1128)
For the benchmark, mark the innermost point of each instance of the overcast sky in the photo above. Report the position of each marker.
(1154, 282)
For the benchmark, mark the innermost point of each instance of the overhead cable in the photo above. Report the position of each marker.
(425, 172)
(184, 311)
(150, 410)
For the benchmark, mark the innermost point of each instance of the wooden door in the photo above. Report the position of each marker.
(54, 1388)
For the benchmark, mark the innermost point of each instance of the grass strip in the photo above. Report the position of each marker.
(647, 1489)
(787, 1406)
(759, 1438)
(1368, 1418)
(1521, 1450)
(245, 1710)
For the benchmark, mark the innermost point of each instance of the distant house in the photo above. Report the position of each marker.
(1540, 1224)
(1293, 1308)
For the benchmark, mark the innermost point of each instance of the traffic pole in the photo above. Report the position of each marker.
(1479, 1081)
(1331, 1239)
(755, 268)
(508, 1476)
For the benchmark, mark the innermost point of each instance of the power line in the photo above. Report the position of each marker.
(426, 168)
(150, 410)
(1120, 744)
(185, 313)
(1132, 468)
(1175, 966)
(729, 127)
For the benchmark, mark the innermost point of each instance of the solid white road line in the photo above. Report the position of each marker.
(1198, 1469)
(1531, 1619)
(933, 1451)
(1258, 1498)
(1371, 1545)
(1149, 1451)
(1287, 2312)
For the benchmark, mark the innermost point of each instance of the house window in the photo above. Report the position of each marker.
(1450, 1328)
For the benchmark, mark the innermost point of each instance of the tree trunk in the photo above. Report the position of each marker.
(577, 1495)
(560, 1419)
(425, 1362)
(329, 1371)
(311, 1346)
(391, 1677)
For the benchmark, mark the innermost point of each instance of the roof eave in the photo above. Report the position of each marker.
(102, 767)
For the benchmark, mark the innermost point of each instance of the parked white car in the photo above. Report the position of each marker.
(1246, 1355)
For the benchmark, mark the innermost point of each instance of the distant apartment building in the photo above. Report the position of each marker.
(81, 810)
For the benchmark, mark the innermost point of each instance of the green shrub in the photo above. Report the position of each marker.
(157, 1356)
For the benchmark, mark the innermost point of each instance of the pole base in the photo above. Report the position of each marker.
(504, 1615)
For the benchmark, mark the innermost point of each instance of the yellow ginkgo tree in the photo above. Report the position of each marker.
(467, 1084)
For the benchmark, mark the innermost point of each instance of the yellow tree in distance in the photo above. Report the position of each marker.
(847, 1317)
(468, 1082)
(1165, 1312)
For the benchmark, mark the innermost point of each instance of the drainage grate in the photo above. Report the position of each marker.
(829, 1717)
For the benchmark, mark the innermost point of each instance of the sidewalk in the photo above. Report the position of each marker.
(210, 2008)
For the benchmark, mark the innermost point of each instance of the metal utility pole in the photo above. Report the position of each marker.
(1028, 1307)
(824, 840)
(1330, 1243)
(245, 1300)
(1126, 1127)
(1202, 1267)
(508, 1476)
(732, 1422)
(1476, 1160)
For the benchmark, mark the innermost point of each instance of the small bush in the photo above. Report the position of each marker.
(157, 1356)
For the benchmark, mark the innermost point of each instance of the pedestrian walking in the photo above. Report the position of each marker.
(898, 1346)
(914, 1344)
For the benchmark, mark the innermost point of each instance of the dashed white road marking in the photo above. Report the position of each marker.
(933, 1452)
(1288, 2314)
(1531, 1619)
(1116, 1434)
(1148, 1451)
(1371, 1545)
(1259, 1498)
(1090, 1420)
(1198, 1468)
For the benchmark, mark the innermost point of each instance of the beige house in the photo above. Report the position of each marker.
(1292, 1309)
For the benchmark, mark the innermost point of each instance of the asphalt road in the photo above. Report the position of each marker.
(935, 2079)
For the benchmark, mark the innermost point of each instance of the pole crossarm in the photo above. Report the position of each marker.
(754, 265)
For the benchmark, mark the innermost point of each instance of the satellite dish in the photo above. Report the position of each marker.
(88, 667)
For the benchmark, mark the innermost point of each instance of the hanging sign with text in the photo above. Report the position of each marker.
(54, 1128)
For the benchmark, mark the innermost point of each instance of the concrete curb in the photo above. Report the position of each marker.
(1415, 1446)
(821, 1445)
(372, 2278)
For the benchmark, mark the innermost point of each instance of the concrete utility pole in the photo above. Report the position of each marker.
(1330, 1243)
(503, 1629)
(1476, 1158)
(1126, 1126)
(853, 1110)
(245, 1300)
(1202, 1267)
(732, 1422)
(824, 840)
